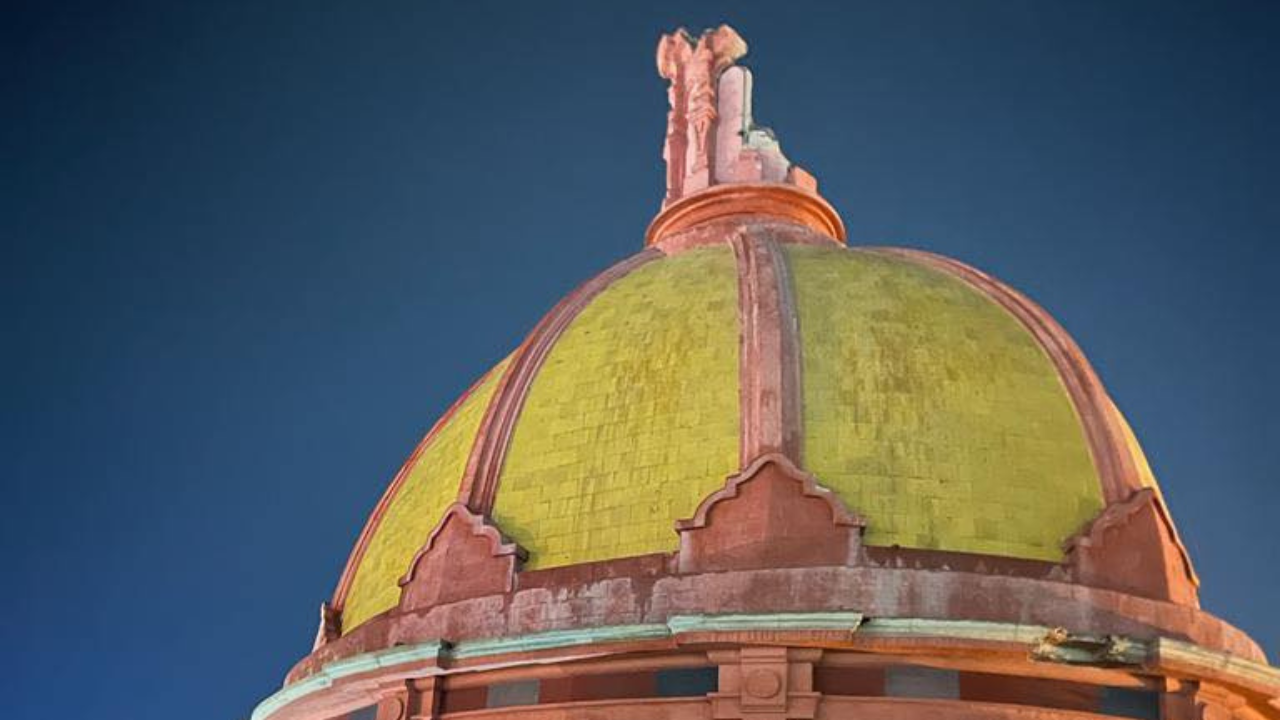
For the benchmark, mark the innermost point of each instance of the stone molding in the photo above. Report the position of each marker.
(464, 557)
(566, 602)
(757, 201)
(1130, 546)
(1215, 685)
(765, 683)
(770, 515)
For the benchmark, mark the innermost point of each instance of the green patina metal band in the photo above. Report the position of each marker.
(1179, 651)
(436, 650)
(345, 668)
(558, 639)
(289, 693)
(1031, 635)
(779, 621)
(963, 629)
(675, 625)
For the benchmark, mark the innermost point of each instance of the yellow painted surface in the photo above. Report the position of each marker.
(931, 410)
(431, 486)
(632, 420)
(1145, 476)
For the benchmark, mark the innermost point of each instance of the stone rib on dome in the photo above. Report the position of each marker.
(632, 420)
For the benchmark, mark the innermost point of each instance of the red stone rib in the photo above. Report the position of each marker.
(484, 466)
(375, 518)
(768, 358)
(1115, 464)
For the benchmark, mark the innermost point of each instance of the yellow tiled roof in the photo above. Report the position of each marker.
(933, 412)
(633, 419)
(927, 408)
(430, 485)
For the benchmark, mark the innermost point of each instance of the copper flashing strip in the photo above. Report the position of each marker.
(484, 466)
(768, 358)
(375, 517)
(1114, 463)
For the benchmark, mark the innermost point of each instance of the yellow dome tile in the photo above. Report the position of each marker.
(933, 412)
(430, 487)
(633, 418)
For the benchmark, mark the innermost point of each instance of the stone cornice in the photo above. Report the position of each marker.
(762, 201)
(359, 675)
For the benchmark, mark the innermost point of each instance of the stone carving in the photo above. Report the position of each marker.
(765, 683)
(711, 138)
(693, 68)
(464, 557)
(330, 626)
(1130, 546)
(772, 514)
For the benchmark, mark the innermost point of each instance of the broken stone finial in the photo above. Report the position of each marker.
(330, 626)
(711, 139)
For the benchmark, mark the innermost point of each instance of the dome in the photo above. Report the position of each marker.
(930, 399)
(751, 471)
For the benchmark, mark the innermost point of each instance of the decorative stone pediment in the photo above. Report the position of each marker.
(770, 515)
(1131, 547)
(465, 556)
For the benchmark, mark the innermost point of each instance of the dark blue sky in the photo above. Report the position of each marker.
(250, 251)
